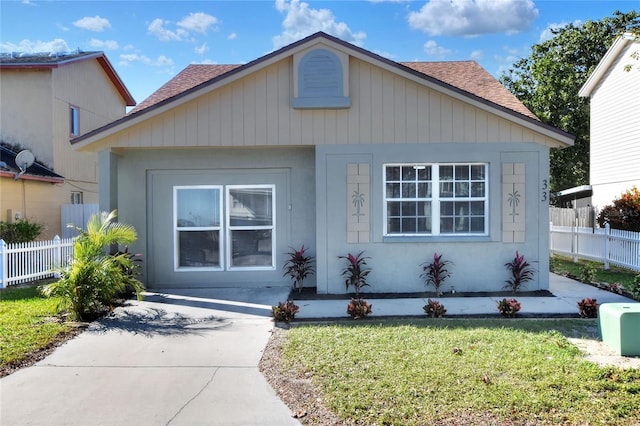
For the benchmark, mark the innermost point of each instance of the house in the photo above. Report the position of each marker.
(614, 96)
(46, 100)
(326, 144)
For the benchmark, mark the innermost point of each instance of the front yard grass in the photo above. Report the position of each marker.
(565, 266)
(462, 371)
(28, 322)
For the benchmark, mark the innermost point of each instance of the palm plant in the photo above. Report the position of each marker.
(93, 279)
(435, 272)
(521, 272)
(356, 272)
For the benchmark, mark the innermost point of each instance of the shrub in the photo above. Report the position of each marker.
(93, 280)
(509, 308)
(435, 272)
(298, 267)
(614, 288)
(285, 311)
(588, 308)
(521, 272)
(356, 272)
(588, 272)
(434, 309)
(21, 231)
(358, 308)
(634, 287)
(624, 213)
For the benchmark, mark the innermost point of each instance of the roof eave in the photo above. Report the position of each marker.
(609, 57)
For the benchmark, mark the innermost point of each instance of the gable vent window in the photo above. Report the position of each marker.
(74, 125)
(320, 80)
(76, 197)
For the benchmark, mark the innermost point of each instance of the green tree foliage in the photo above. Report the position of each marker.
(21, 231)
(624, 213)
(548, 82)
(93, 280)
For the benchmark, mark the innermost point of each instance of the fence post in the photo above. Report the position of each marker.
(57, 256)
(607, 233)
(574, 240)
(4, 273)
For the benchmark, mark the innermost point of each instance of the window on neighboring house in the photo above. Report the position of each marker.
(241, 239)
(436, 199)
(74, 124)
(76, 197)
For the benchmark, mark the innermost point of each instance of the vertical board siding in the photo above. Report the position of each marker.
(385, 108)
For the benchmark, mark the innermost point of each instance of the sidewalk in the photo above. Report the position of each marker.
(188, 357)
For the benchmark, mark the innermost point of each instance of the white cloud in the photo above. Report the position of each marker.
(104, 44)
(232, 36)
(547, 33)
(95, 23)
(163, 34)
(129, 58)
(198, 22)
(29, 46)
(301, 21)
(201, 50)
(431, 48)
(476, 55)
(472, 18)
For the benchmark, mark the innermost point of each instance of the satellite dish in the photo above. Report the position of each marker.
(24, 160)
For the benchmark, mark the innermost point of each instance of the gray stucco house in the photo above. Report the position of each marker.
(325, 144)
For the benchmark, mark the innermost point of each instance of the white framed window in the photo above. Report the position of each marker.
(76, 197)
(74, 121)
(436, 199)
(250, 220)
(197, 221)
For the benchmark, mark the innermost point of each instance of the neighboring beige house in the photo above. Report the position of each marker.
(46, 100)
(615, 121)
(326, 144)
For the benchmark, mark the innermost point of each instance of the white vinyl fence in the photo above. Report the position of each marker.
(24, 262)
(615, 246)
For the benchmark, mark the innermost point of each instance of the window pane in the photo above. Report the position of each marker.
(424, 190)
(198, 207)
(477, 172)
(393, 209)
(251, 248)
(393, 225)
(408, 173)
(462, 172)
(446, 225)
(477, 189)
(409, 225)
(446, 189)
(393, 173)
(393, 190)
(424, 174)
(462, 224)
(198, 248)
(446, 173)
(461, 209)
(408, 190)
(446, 208)
(250, 207)
(477, 224)
(408, 209)
(477, 208)
(462, 189)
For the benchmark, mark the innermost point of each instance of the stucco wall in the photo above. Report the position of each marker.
(144, 199)
(395, 261)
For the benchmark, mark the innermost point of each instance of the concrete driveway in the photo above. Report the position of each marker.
(180, 358)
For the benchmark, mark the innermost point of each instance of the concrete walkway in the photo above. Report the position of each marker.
(190, 357)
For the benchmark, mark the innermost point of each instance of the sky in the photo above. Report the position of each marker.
(148, 42)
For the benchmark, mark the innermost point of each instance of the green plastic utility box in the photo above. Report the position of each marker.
(619, 325)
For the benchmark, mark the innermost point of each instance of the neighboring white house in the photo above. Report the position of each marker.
(325, 144)
(615, 121)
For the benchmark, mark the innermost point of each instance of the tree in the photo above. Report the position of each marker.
(94, 278)
(624, 213)
(548, 82)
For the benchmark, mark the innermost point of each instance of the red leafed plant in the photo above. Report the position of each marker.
(509, 308)
(358, 308)
(356, 273)
(434, 309)
(521, 272)
(284, 311)
(435, 272)
(588, 308)
(298, 267)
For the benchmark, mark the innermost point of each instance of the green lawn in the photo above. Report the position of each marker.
(564, 265)
(436, 371)
(28, 322)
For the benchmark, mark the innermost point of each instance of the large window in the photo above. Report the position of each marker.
(435, 199)
(241, 239)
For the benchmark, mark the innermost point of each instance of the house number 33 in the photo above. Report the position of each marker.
(545, 188)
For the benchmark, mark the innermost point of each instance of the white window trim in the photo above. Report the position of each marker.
(435, 201)
(176, 230)
(74, 121)
(230, 228)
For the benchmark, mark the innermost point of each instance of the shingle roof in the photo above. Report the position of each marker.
(45, 58)
(465, 75)
(471, 77)
(8, 163)
(188, 78)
